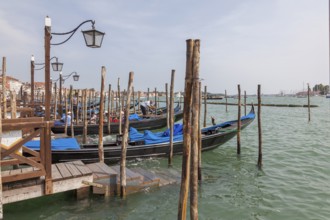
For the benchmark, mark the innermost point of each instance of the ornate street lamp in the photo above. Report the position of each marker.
(62, 79)
(56, 66)
(93, 39)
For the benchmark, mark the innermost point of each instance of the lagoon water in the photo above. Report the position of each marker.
(294, 182)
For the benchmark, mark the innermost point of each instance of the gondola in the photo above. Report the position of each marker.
(212, 137)
(149, 122)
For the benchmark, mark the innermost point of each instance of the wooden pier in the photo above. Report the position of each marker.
(76, 175)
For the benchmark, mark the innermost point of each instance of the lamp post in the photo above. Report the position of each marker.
(93, 39)
(62, 79)
(55, 65)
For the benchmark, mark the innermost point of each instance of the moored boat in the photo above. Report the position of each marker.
(212, 137)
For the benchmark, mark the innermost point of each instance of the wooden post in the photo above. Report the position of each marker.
(4, 88)
(167, 107)
(139, 96)
(205, 105)
(13, 104)
(101, 112)
(119, 109)
(155, 100)
(195, 125)
(90, 103)
(184, 189)
(309, 102)
(85, 116)
(148, 94)
(48, 160)
(226, 101)
(200, 135)
(109, 109)
(118, 95)
(66, 111)
(171, 117)
(72, 113)
(55, 98)
(134, 110)
(259, 128)
(239, 121)
(124, 140)
(1, 205)
(244, 102)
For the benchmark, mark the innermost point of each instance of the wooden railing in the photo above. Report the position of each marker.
(16, 153)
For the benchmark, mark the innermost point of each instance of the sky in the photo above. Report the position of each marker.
(280, 44)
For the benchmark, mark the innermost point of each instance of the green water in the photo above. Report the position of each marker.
(293, 184)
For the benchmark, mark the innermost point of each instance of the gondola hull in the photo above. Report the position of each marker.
(144, 124)
(112, 152)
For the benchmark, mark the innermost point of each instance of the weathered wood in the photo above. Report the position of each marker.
(4, 88)
(309, 102)
(259, 129)
(101, 116)
(48, 159)
(194, 134)
(66, 112)
(13, 104)
(244, 102)
(239, 121)
(200, 135)
(205, 106)
(184, 189)
(72, 113)
(167, 106)
(109, 110)
(156, 99)
(226, 100)
(119, 109)
(85, 116)
(124, 141)
(171, 116)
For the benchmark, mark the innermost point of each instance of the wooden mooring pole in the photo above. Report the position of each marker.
(4, 92)
(109, 110)
(309, 102)
(200, 135)
(185, 178)
(124, 140)
(259, 128)
(171, 117)
(72, 112)
(101, 115)
(167, 107)
(244, 102)
(195, 133)
(205, 105)
(226, 101)
(239, 121)
(85, 116)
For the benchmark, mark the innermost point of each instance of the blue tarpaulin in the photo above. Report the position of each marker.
(156, 137)
(57, 144)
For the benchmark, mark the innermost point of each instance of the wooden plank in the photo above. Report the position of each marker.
(98, 173)
(30, 192)
(65, 173)
(22, 176)
(148, 175)
(82, 167)
(130, 174)
(107, 169)
(56, 175)
(73, 169)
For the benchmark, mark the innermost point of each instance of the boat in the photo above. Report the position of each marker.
(149, 122)
(212, 137)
